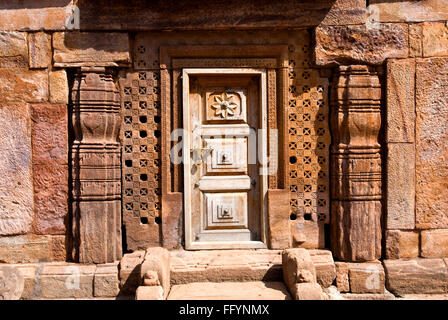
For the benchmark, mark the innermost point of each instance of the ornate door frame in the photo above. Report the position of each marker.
(190, 242)
(271, 58)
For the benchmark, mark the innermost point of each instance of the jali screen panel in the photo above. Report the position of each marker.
(308, 141)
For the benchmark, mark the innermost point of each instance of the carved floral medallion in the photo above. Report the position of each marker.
(224, 105)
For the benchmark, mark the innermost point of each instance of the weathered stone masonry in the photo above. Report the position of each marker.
(96, 170)
(90, 91)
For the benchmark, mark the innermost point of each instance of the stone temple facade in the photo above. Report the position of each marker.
(177, 150)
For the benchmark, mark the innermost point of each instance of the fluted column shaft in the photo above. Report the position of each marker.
(96, 176)
(356, 164)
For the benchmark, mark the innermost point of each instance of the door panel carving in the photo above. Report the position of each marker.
(224, 192)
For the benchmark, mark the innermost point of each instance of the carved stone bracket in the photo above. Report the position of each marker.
(96, 173)
(356, 164)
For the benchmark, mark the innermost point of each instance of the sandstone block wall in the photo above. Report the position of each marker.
(407, 40)
(417, 138)
(39, 45)
(33, 134)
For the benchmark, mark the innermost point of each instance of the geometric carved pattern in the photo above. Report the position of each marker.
(225, 210)
(309, 138)
(140, 134)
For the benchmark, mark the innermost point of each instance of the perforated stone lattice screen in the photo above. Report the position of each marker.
(141, 144)
(309, 140)
(308, 146)
(308, 130)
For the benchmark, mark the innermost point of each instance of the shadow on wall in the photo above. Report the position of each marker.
(398, 1)
(193, 14)
(33, 4)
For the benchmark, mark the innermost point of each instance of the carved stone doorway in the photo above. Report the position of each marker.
(297, 118)
(224, 154)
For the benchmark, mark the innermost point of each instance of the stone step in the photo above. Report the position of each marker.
(225, 265)
(241, 265)
(423, 297)
(251, 290)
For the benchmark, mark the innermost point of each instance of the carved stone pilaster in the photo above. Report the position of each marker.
(96, 169)
(356, 164)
